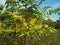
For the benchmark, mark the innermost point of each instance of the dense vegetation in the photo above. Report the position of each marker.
(22, 23)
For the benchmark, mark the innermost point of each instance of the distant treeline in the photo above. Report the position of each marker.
(54, 24)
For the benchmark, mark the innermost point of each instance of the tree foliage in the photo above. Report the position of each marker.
(24, 18)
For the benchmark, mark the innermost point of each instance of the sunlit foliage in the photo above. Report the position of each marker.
(24, 18)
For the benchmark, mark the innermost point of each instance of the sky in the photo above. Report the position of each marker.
(54, 3)
(2, 2)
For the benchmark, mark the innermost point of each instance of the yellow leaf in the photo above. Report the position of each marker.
(7, 31)
(3, 11)
(32, 22)
(25, 24)
(51, 30)
(0, 23)
(46, 26)
(21, 35)
(41, 31)
(36, 26)
(0, 31)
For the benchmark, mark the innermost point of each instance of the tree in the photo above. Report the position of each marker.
(23, 19)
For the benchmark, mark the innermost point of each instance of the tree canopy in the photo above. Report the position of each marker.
(25, 18)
